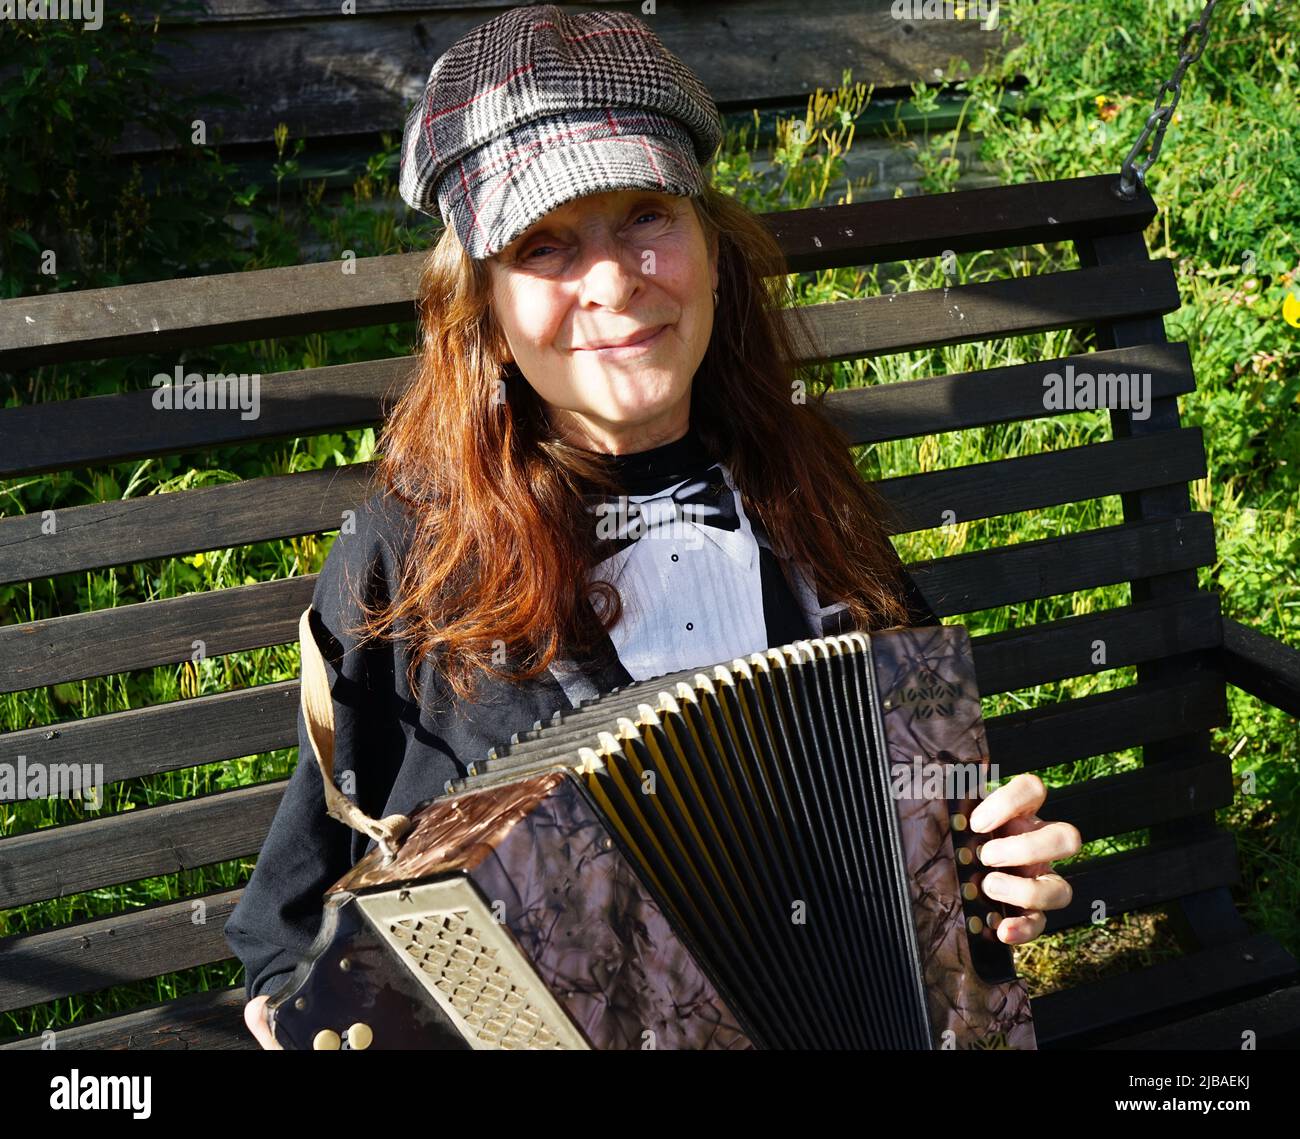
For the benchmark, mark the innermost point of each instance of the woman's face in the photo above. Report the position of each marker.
(606, 304)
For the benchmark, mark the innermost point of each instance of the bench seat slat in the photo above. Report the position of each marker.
(158, 316)
(112, 428)
(211, 1020)
(1273, 1018)
(1075, 1017)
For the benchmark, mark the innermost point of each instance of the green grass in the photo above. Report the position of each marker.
(1228, 184)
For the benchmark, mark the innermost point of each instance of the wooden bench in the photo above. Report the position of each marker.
(1228, 978)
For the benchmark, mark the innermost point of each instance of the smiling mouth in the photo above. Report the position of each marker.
(635, 342)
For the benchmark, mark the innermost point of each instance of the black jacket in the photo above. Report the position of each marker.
(393, 750)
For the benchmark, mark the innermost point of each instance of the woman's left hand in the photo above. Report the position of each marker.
(1022, 853)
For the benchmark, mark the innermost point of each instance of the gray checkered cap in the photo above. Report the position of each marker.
(540, 106)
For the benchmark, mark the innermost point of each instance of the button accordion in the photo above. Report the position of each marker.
(768, 853)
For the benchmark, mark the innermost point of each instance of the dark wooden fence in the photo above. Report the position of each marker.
(330, 75)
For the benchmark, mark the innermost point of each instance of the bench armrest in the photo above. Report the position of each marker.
(1262, 666)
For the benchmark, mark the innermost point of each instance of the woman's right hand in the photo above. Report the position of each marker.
(255, 1018)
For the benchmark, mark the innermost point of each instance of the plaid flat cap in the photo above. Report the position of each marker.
(539, 106)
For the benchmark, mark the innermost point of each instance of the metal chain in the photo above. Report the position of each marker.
(1130, 175)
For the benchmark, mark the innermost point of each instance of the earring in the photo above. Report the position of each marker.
(715, 298)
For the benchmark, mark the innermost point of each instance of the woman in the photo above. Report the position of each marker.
(602, 471)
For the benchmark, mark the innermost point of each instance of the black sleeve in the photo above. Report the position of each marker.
(919, 611)
(306, 851)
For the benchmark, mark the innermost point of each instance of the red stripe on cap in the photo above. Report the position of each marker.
(613, 125)
(469, 200)
(430, 114)
(627, 121)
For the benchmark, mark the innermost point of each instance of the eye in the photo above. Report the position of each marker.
(536, 248)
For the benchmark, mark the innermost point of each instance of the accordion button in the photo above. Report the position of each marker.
(326, 1040)
(974, 925)
(959, 822)
(964, 855)
(970, 891)
(992, 919)
(360, 1036)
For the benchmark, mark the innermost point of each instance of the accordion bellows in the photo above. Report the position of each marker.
(733, 857)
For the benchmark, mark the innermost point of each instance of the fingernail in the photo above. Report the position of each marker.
(978, 817)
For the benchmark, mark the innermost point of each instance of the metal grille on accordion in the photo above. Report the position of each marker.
(766, 853)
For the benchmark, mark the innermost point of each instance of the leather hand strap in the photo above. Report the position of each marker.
(318, 711)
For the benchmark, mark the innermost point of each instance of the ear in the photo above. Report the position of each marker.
(713, 259)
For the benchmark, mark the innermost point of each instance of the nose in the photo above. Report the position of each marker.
(610, 271)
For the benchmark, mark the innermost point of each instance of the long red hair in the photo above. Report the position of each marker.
(494, 580)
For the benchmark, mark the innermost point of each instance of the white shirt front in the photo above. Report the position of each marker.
(692, 593)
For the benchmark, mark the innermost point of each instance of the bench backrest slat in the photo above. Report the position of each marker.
(281, 506)
(183, 522)
(102, 429)
(165, 315)
(247, 617)
(250, 721)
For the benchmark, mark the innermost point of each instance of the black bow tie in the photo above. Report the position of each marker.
(704, 499)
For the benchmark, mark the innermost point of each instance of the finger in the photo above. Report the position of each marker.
(1022, 796)
(255, 1017)
(1044, 844)
(1044, 891)
(1018, 930)
(1021, 824)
